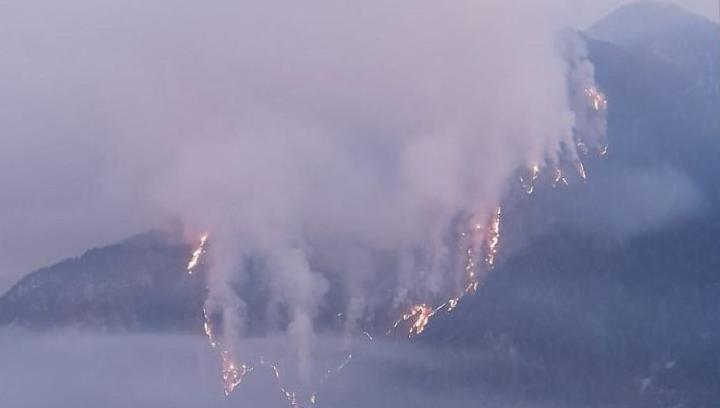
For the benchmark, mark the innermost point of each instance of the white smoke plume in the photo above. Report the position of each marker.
(332, 150)
(347, 141)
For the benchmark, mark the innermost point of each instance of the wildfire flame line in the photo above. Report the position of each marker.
(419, 315)
(529, 182)
(197, 254)
(597, 99)
(290, 396)
(232, 371)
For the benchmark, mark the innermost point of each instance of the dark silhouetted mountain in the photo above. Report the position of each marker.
(574, 317)
(138, 284)
(661, 66)
(667, 33)
(606, 294)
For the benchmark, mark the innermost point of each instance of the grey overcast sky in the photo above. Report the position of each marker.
(52, 208)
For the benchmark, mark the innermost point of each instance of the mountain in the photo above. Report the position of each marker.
(661, 66)
(612, 302)
(575, 317)
(605, 294)
(137, 284)
(668, 33)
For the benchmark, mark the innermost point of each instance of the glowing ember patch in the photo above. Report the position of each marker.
(469, 264)
(422, 315)
(487, 241)
(582, 147)
(603, 150)
(559, 178)
(472, 287)
(197, 254)
(452, 304)
(233, 374)
(596, 98)
(581, 169)
(493, 239)
(290, 397)
(528, 182)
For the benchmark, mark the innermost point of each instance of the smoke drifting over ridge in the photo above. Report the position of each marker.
(327, 148)
(362, 138)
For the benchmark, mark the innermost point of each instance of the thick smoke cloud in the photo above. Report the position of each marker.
(330, 131)
(337, 145)
(103, 103)
(85, 83)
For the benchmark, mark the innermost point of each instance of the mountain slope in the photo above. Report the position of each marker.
(665, 97)
(613, 302)
(577, 318)
(668, 33)
(138, 284)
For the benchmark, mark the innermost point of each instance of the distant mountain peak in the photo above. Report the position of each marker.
(669, 34)
(137, 284)
(635, 22)
(658, 11)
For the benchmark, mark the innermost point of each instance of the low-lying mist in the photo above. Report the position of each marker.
(72, 369)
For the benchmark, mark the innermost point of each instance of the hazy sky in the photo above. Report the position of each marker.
(62, 188)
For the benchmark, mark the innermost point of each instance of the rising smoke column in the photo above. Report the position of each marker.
(354, 160)
(346, 159)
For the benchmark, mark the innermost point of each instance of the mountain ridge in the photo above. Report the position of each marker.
(669, 34)
(139, 283)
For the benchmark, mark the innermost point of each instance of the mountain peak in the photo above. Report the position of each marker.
(137, 284)
(636, 22)
(669, 34)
